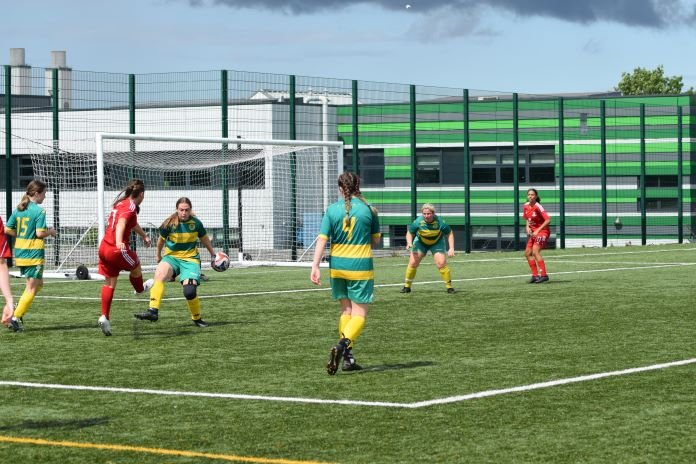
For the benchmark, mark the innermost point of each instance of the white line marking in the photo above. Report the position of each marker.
(552, 383)
(416, 405)
(399, 284)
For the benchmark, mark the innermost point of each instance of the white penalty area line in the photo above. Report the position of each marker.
(416, 405)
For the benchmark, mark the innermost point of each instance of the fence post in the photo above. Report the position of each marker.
(467, 179)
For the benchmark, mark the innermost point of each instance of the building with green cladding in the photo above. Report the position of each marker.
(610, 170)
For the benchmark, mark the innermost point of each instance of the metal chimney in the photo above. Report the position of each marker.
(58, 59)
(21, 73)
(65, 85)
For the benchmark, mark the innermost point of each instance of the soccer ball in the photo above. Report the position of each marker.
(220, 262)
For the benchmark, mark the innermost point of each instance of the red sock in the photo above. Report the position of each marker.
(137, 283)
(107, 294)
(532, 266)
(542, 267)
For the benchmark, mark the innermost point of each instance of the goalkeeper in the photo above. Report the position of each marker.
(179, 236)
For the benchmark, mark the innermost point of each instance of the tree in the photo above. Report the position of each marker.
(650, 82)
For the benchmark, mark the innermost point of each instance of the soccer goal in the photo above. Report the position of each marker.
(261, 201)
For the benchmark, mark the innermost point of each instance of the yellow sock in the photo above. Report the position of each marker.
(156, 294)
(353, 328)
(446, 276)
(410, 275)
(345, 318)
(24, 304)
(194, 307)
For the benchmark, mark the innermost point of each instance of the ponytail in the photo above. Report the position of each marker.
(349, 183)
(134, 188)
(34, 187)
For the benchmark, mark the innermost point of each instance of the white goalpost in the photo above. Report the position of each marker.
(261, 201)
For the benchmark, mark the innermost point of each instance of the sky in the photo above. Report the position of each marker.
(524, 46)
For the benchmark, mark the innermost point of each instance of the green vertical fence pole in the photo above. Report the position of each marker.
(467, 179)
(516, 169)
(8, 139)
(131, 124)
(412, 136)
(224, 188)
(680, 177)
(603, 149)
(643, 196)
(131, 130)
(355, 120)
(8, 148)
(293, 180)
(561, 171)
(56, 153)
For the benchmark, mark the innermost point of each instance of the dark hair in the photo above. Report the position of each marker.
(538, 198)
(134, 188)
(33, 187)
(173, 219)
(349, 183)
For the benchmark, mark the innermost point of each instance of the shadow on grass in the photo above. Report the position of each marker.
(150, 329)
(62, 328)
(57, 424)
(392, 367)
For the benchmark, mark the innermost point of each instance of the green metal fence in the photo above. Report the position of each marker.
(610, 170)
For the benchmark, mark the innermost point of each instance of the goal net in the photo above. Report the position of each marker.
(261, 201)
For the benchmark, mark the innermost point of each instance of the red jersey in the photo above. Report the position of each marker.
(127, 210)
(535, 216)
(5, 251)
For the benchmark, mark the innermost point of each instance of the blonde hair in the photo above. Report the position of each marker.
(428, 206)
(349, 183)
(34, 187)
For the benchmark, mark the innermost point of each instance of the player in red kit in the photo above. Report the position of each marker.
(5, 254)
(538, 232)
(115, 254)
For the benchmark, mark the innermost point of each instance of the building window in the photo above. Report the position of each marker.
(495, 165)
(370, 164)
(397, 235)
(428, 168)
(659, 204)
(26, 171)
(659, 181)
(440, 166)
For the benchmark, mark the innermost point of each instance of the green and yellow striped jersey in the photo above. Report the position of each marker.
(28, 249)
(351, 243)
(429, 232)
(181, 241)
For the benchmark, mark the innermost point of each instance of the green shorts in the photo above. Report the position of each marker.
(184, 269)
(359, 291)
(34, 272)
(438, 247)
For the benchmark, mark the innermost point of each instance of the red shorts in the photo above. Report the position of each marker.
(541, 240)
(5, 251)
(113, 260)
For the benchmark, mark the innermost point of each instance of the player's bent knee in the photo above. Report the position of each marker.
(190, 292)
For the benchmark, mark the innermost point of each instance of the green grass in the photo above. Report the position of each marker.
(267, 339)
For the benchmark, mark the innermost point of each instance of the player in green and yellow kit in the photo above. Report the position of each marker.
(428, 233)
(179, 237)
(28, 224)
(351, 226)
